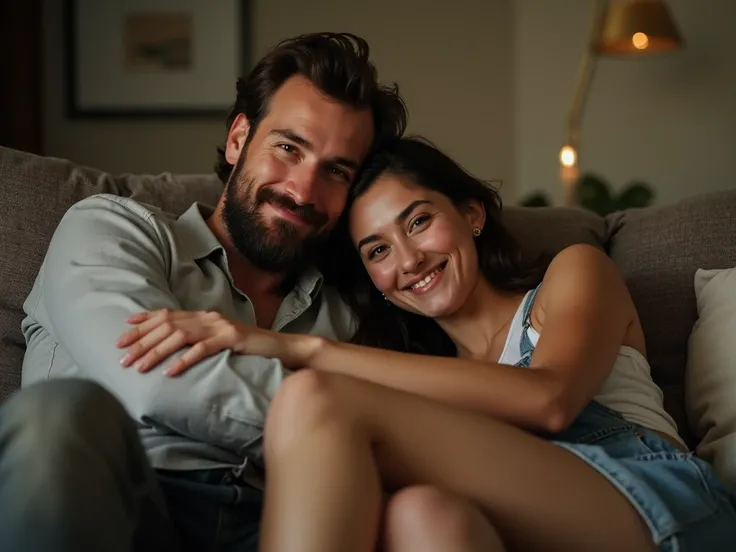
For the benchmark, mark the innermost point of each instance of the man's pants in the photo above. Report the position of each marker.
(74, 477)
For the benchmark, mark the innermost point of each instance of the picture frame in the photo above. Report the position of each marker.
(155, 58)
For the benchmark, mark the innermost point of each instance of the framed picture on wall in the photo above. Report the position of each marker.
(155, 58)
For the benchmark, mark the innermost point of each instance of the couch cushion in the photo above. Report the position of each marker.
(658, 250)
(35, 192)
(545, 231)
(710, 379)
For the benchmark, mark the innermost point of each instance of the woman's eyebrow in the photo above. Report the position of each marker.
(400, 219)
(403, 215)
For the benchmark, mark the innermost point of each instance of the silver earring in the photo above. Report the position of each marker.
(476, 232)
(385, 298)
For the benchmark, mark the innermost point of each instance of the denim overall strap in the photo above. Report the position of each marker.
(526, 347)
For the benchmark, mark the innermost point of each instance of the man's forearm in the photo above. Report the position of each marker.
(223, 400)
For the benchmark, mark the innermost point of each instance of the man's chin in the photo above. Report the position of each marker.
(280, 224)
(279, 236)
(286, 234)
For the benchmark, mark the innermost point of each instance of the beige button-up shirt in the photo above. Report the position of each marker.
(111, 257)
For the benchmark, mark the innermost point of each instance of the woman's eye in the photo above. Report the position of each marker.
(376, 251)
(419, 222)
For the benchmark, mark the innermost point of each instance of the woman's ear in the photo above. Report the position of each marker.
(236, 138)
(474, 213)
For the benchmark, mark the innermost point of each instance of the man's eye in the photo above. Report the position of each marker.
(289, 148)
(340, 173)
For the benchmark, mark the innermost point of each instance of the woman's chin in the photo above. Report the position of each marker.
(439, 313)
(433, 309)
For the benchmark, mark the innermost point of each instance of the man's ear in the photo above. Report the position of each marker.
(236, 138)
(474, 213)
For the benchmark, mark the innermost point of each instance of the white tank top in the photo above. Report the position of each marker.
(629, 389)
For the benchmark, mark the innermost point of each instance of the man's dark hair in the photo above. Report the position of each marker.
(380, 323)
(337, 64)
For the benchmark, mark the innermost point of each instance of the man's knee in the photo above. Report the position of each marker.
(48, 414)
(71, 467)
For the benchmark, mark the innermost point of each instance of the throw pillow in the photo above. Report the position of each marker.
(710, 382)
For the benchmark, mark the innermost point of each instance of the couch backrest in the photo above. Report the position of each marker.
(657, 249)
(35, 192)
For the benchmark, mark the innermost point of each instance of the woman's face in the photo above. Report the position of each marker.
(416, 245)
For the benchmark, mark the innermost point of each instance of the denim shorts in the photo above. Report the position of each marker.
(678, 495)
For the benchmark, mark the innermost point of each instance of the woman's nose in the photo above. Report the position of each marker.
(412, 258)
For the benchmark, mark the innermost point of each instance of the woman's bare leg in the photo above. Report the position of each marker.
(327, 433)
(315, 469)
(431, 520)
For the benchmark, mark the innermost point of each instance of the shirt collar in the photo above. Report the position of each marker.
(196, 237)
(200, 242)
(310, 281)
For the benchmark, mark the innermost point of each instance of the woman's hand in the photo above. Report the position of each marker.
(159, 334)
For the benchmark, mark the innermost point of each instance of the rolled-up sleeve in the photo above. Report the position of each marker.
(105, 263)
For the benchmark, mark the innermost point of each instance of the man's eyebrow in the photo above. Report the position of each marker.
(306, 144)
(400, 219)
(345, 162)
(293, 136)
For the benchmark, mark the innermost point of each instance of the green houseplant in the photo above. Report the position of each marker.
(595, 194)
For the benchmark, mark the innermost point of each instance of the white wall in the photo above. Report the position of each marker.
(669, 120)
(490, 81)
(453, 62)
(113, 145)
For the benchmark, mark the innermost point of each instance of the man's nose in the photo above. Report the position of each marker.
(303, 183)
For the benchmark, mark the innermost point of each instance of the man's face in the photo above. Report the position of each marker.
(291, 177)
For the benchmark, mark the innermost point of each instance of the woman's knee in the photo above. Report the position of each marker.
(305, 401)
(439, 520)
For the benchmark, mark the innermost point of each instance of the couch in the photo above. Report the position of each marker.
(657, 249)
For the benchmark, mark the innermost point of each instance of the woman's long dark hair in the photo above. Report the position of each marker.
(384, 325)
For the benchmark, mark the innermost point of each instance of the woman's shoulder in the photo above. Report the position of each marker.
(580, 255)
(577, 268)
(582, 274)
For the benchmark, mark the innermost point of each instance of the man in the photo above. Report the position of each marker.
(163, 465)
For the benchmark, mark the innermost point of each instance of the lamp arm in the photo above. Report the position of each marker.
(585, 77)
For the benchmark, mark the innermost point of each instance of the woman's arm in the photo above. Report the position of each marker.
(516, 395)
(519, 396)
(584, 309)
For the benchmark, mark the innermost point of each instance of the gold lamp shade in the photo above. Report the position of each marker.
(637, 27)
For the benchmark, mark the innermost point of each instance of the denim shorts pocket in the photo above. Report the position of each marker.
(669, 489)
(680, 479)
(659, 449)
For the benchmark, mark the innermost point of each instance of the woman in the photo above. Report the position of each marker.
(508, 415)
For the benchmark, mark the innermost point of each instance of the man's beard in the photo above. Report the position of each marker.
(277, 248)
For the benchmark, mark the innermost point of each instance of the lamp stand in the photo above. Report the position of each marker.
(570, 173)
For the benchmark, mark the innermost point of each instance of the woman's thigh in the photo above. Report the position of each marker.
(538, 495)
